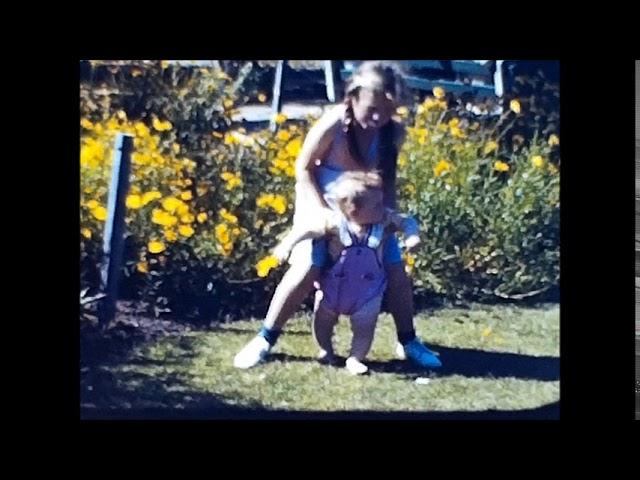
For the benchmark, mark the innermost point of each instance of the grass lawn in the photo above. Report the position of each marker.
(497, 361)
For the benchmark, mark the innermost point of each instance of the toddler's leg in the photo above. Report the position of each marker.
(363, 325)
(324, 321)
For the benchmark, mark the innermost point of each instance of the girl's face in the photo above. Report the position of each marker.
(372, 109)
(367, 209)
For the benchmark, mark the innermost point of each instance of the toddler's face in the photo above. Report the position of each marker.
(367, 209)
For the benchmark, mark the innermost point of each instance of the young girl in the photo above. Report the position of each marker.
(355, 281)
(359, 135)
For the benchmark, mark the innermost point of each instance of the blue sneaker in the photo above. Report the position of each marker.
(418, 353)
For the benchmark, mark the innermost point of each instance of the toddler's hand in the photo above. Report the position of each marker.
(411, 242)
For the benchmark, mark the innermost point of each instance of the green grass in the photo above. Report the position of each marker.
(495, 358)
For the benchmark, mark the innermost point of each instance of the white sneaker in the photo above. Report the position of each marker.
(400, 351)
(253, 353)
(355, 366)
(326, 358)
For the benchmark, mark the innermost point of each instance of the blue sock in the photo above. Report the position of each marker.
(271, 336)
(406, 337)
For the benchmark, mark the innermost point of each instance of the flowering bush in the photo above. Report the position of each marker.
(490, 211)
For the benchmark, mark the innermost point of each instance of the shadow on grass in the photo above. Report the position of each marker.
(465, 362)
(217, 411)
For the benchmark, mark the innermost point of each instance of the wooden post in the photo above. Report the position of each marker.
(329, 81)
(497, 79)
(113, 239)
(276, 105)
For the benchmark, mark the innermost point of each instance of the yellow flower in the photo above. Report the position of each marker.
(279, 204)
(122, 115)
(134, 201)
(280, 118)
(537, 161)
(202, 217)
(112, 124)
(141, 130)
(230, 139)
(187, 218)
(161, 126)
(410, 260)
(283, 135)
(236, 231)
(457, 132)
(186, 230)
(86, 124)
(227, 104)
(554, 140)
(91, 204)
(186, 195)
(491, 146)
(228, 216)
(142, 267)
(402, 111)
(182, 209)
(170, 204)
(265, 265)
(514, 105)
(486, 332)
(175, 147)
(501, 166)
(454, 122)
(150, 196)
(232, 180)
(86, 233)
(293, 147)
(222, 233)
(438, 92)
(100, 213)
(442, 167)
(170, 235)
(163, 218)
(155, 246)
(262, 97)
(235, 182)
(264, 200)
